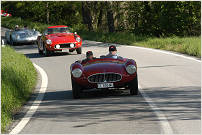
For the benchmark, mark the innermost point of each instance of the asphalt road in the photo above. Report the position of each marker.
(173, 84)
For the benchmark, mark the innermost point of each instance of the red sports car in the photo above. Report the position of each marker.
(104, 73)
(5, 14)
(59, 39)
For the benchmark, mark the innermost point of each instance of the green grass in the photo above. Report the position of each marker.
(18, 79)
(185, 45)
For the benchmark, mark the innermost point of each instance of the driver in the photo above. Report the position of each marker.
(89, 56)
(50, 31)
(16, 27)
(25, 27)
(112, 52)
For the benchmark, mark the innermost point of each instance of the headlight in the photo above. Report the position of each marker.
(48, 41)
(57, 46)
(131, 69)
(77, 73)
(78, 39)
(71, 45)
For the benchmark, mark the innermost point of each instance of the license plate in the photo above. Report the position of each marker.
(65, 50)
(105, 85)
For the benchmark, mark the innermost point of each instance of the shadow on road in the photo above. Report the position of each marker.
(179, 104)
(159, 66)
(37, 55)
(98, 44)
(33, 55)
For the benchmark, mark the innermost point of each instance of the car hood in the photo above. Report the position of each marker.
(61, 37)
(25, 33)
(103, 68)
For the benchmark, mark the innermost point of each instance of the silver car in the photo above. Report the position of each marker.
(21, 36)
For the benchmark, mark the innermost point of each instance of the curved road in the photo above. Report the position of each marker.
(173, 84)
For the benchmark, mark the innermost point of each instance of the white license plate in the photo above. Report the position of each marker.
(105, 85)
(65, 50)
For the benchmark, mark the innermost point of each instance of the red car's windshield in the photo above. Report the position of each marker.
(59, 30)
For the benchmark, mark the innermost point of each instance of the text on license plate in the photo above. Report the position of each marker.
(105, 85)
(65, 50)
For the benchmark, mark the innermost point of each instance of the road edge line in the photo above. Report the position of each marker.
(168, 52)
(165, 125)
(23, 122)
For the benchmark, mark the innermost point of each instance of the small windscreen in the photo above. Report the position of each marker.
(59, 30)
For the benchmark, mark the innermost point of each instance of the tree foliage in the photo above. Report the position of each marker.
(156, 18)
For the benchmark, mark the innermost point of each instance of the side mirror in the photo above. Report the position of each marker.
(75, 33)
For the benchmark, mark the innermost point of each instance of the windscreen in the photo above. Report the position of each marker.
(59, 30)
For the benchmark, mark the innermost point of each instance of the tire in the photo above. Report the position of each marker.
(79, 50)
(76, 90)
(71, 50)
(133, 86)
(45, 51)
(11, 41)
(40, 51)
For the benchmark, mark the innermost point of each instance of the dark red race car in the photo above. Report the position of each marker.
(59, 39)
(104, 73)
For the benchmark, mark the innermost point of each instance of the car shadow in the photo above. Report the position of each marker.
(37, 55)
(177, 103)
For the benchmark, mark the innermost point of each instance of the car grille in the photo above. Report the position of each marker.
(104, 77)
(66, 45)
(23, 35)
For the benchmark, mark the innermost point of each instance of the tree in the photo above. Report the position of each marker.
(87, 18)
(110, 19)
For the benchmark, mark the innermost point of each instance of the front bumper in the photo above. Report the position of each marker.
(64, 47)
(26, 40)
(126, 79)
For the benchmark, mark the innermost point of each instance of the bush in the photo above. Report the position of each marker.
(11, 22)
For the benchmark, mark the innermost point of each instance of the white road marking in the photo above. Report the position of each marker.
(167, 52)
(35, 104)
(165, 125)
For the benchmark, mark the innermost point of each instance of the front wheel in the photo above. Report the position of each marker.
(133, 86)
(76, 90)
(45, 51)
(79, 50)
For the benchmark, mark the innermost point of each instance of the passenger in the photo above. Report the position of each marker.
(89, 56)
(63, 30)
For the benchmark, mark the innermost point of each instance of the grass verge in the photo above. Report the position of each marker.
(185, 45)
(18, 79)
